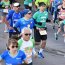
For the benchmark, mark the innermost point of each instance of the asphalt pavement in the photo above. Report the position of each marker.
(53, 46)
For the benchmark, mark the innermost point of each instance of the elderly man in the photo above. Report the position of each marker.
(27, 44)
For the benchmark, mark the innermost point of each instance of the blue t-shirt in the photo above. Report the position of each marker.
(9, 60)
(24, 23)
(13, 17)
(56, 3)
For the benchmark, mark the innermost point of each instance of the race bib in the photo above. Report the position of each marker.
(30, 4)
(43, 32)
(5, 10)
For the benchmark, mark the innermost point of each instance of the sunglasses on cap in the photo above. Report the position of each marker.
(14, 46)
(27, 34)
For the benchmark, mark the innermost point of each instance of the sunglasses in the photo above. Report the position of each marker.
(14, 46)
(27, 34)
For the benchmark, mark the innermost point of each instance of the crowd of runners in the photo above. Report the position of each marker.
(27, 26)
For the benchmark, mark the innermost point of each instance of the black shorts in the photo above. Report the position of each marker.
(39, 37)
(14, 35)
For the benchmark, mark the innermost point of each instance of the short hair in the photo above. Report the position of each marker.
(26, 28)
(11, 41)
(41, 4)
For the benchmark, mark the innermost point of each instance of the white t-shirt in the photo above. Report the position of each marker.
(27, 47)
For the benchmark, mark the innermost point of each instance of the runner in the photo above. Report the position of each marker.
(61, 17)
(26, 21)
(40, 33)
(26, 44)
(13, 56)
(28, 4)
(13, 16)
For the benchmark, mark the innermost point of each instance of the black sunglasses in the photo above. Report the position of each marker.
(14, 46)
(27, 34)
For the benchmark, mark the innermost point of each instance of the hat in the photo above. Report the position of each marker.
(41, 4)
(16, 4)
(26, 11)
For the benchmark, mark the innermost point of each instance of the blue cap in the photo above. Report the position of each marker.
(26, 11)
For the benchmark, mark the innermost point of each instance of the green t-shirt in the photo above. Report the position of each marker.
(5, 3)
(20, 42)
(41, 17)
(26, 2)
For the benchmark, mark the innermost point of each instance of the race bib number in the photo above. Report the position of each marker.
(43, 32)
(5, 10)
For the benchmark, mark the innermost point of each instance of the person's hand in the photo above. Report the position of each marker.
(36, 55)
(6, 7)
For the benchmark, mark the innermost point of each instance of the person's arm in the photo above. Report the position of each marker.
(35, 17)
(3, 56)
(0, 59)
(17, 26)
(25, 61)
(9, 17)
(16, 30)
(24, 58)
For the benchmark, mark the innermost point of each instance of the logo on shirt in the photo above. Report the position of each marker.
(18, 58)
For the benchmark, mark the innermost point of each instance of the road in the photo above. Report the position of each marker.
(51, 57)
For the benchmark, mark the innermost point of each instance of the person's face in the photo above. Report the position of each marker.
(26, 35)
(17, 8)
(42, 8)
(13, 47)
(29, 15)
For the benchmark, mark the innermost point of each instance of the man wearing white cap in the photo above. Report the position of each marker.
(13, 16)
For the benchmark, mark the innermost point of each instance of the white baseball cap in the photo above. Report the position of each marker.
(16, 4)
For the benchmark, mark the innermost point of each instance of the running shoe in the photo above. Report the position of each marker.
(56, 36)
(40, 55)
